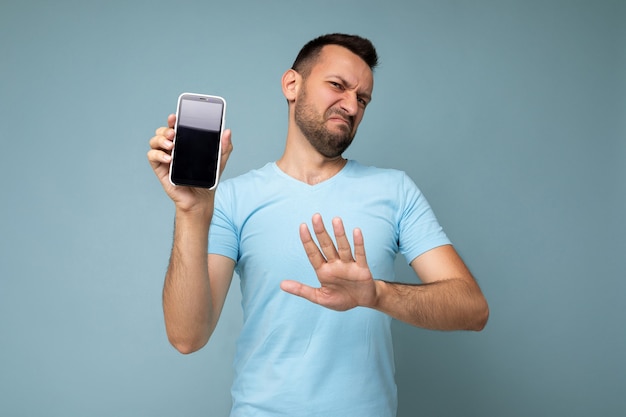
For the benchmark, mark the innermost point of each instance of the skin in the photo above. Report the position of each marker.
(331, 100)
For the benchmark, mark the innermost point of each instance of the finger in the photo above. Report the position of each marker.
(227, 148)
(299, 289)
(166, 132)
(160, 149)
(157, 157)
(171, 120)
(343, 246)
(161, 142)
(359, 248)
(312, 251)
(323, 238)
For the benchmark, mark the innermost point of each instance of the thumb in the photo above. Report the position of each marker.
(227, 148)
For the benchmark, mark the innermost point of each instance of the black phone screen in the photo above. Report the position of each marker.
(197, 143)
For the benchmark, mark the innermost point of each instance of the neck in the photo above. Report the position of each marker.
(311, 169)
(303, 162)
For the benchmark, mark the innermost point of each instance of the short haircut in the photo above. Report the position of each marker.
(357, 45)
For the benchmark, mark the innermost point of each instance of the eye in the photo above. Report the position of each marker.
(362, 101)
(336, 85)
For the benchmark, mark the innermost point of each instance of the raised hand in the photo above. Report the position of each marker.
(159, 156)
(345, 279)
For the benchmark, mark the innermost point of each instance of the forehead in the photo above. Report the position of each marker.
(335, 60)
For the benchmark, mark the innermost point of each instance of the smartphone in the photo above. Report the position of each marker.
(197, 142)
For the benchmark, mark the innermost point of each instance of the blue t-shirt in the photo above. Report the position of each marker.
(293, 357)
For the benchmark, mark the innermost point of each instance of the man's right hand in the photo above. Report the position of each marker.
(159, 156)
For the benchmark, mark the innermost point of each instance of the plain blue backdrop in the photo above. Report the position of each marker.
(510, 115)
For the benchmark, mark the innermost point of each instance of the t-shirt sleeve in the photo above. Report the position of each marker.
(223, 234)
(419, 230)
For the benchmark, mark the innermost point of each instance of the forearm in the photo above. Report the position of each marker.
(453, 304)
(187, 302)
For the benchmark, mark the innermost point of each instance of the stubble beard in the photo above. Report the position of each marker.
(327, 143)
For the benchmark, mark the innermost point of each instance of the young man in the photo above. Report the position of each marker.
(316, 336)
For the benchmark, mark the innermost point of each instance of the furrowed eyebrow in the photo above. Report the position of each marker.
(345, 82)
(366, 96)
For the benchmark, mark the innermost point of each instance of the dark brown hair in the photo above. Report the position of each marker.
(356, 44)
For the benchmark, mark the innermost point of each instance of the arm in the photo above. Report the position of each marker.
(449, 299)
(195, 284)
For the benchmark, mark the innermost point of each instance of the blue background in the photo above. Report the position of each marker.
(510, 115)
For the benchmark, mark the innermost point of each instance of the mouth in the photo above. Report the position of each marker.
(340, 120)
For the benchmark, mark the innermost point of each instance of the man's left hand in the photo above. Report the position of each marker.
(346, 280)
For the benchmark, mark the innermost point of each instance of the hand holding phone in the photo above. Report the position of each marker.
(197, 143)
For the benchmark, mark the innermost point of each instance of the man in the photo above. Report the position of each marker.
(327, 350)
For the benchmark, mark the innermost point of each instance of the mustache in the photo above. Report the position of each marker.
(338, 112)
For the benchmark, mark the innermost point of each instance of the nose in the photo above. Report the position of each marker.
(349, 103)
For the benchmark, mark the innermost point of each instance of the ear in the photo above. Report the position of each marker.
(291, 83)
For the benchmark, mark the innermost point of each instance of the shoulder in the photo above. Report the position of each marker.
(254, 175)
(245, 192)
(356, 168)
(389, 177)
(246, 182)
